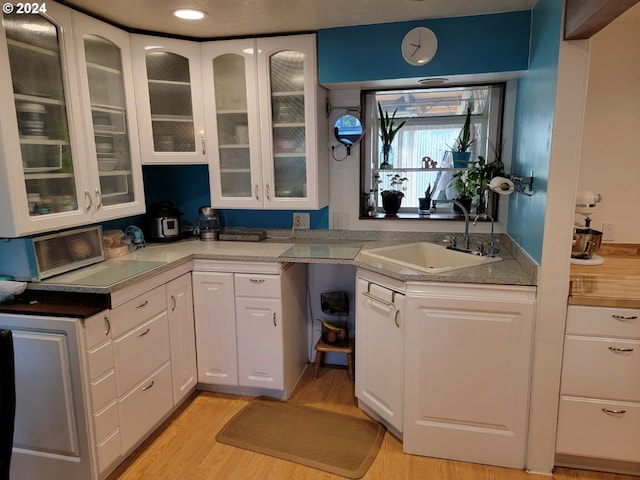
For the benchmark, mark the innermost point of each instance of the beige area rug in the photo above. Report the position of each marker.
(329, 441)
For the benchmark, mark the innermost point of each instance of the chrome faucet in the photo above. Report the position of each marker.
(466, 223)
(493, 243)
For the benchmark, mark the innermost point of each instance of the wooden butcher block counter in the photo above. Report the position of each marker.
(615, 283)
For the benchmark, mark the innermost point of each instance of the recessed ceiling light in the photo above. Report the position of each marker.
(189, 14)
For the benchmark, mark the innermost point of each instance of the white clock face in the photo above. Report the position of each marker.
(419, 46)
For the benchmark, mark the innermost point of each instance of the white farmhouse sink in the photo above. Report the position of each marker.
(428, 257)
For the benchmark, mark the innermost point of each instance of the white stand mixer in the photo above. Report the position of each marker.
(586, 241)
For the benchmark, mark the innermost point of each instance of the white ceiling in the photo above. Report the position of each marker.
(236, 18)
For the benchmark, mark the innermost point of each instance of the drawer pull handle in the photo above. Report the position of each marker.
(624, 317)
(275, 323)
(153, 381)
(173, 301)
(145, 332)
(618, 349)
(611, 411)
(107, 326)
(256, 280)
(143, 304)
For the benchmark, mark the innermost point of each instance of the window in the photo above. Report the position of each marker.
(434, 118)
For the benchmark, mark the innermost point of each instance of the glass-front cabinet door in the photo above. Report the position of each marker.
(289, 105)
(43, 183)
(107, 82)
(169, 100)
(229, 73)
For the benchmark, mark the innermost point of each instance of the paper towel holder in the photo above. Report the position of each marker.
(508, 184)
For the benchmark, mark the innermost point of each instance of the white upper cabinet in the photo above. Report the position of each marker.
(49, 175)
(110, 120)
(267, 123)
(169, 99)
(233, 128)
(44, 181)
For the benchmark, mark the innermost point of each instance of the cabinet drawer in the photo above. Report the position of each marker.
(106, 422)
(145, 406)
(109, 451)
(585, 429)
(603, 321)
(97, 329)
(602, 368)
(100, 361)
(103, 391)
(141, 351)
(249, 285)
(142, 308)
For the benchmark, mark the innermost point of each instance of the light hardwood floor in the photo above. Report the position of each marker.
(184, 448)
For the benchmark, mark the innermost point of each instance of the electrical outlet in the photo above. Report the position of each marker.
(301, 221)
(608, 232)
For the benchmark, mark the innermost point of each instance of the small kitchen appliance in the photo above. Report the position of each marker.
(208, 226)
(164, 222)
(586, 241)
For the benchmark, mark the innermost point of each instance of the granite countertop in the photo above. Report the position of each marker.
(312, 246)
(615, 283)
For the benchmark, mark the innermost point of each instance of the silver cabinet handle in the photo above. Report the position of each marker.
(89, 198)
(390, 304)
(107, 326)
(275, 323)
(618, 349)
(143, 304)
(624, 317)
(256, 191)
(98, 199)
(267, 191)
(611, 411)
(174, 303)
(149, 386)
(256, 280)
(204, 145)
(145, 332)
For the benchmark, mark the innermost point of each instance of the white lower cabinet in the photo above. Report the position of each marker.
(447, 366)
(599, 414)
(467, 372)
(380, 321)
(182, 336)
(251, 326)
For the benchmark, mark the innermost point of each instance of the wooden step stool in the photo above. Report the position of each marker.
(322, 348)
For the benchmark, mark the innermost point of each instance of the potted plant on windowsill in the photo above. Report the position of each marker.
(460, 151)
(387, 132)
(466, 183)
(392, 198)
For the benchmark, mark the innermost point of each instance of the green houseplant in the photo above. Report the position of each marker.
(392, 198)
(387, 131)
(460, 151)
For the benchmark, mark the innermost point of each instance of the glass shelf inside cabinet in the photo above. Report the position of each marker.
(169, 84)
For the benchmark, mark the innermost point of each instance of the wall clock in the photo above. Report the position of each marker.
(419, 46)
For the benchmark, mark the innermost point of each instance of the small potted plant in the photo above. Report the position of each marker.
(392, 198)
(387, 132)
(460, 151)
(466, 183)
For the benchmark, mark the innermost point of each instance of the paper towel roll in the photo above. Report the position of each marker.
(501, 185)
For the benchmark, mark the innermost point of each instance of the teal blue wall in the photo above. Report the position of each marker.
(466, 45)
(533, 127)
(187, 186)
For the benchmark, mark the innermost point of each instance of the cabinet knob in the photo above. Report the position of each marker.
(89, 199)
(611, 411)
(149, 386)
(98, 199)
(622, 350)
